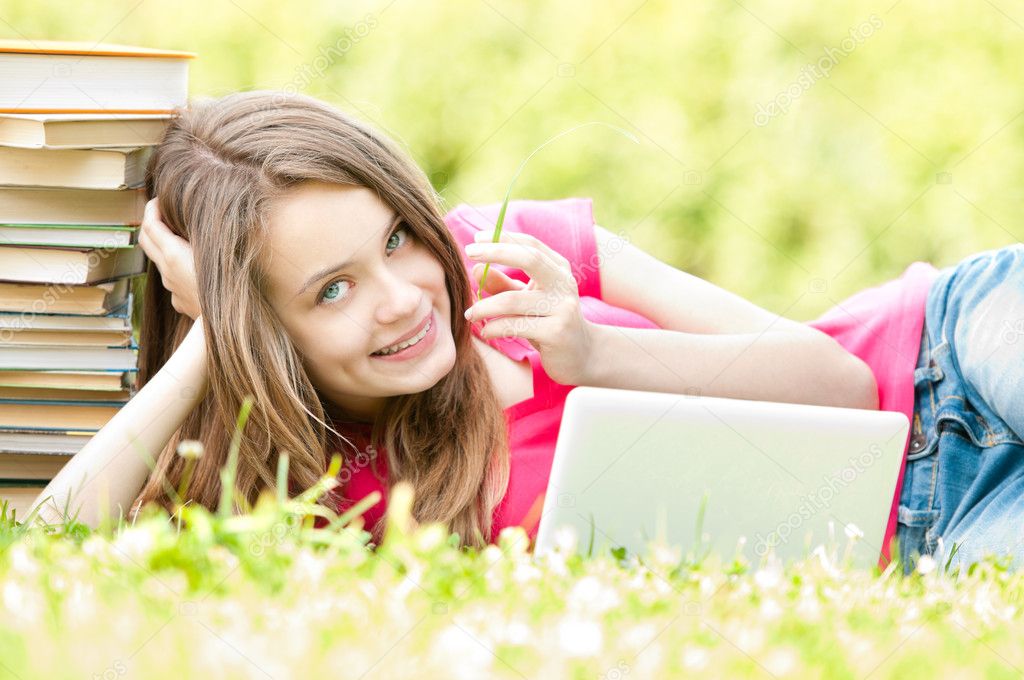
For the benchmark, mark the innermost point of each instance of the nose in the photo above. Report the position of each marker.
(400, 302)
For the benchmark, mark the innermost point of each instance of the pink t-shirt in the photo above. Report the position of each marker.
(881, 325)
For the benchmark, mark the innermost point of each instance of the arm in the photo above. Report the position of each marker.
(741, 350)
(779, 366)
(109, 471)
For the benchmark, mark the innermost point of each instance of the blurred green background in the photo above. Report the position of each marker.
(896, 134)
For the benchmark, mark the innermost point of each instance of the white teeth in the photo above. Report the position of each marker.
(402, 345)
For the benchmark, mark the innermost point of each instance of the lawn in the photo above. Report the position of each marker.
(263, 594)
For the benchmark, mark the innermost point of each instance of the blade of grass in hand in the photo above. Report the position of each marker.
(508, 192)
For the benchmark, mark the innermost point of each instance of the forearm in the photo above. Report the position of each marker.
(107, 473)
(784, 366)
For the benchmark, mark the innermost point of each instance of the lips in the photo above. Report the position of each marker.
(408, 335)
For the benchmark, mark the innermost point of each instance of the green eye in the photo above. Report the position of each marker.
(332, 292)
(394, 234)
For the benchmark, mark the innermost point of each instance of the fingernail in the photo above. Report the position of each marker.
(468, 312)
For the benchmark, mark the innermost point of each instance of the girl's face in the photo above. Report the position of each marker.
(347, 278)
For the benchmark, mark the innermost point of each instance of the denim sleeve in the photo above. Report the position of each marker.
(988, 331)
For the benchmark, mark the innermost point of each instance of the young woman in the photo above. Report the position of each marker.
(294, 248)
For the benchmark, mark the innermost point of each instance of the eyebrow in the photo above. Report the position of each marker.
(335, 268)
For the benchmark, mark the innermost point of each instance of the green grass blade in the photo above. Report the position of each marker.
(282, 477)
(359, 508)
(508, 192)
(590, 545)
(230, 469)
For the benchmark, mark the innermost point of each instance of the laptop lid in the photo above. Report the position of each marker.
(636, 465)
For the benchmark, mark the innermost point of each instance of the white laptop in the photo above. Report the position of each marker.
(638, 465)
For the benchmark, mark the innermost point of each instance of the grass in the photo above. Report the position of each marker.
(264, 594)
(508, 191)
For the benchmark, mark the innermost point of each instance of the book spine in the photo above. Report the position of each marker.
(62, 402)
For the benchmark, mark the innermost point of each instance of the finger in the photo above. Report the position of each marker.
(525, 239)
(511, 326)
(512, 303)
(150, 245)
(144, 242)
(149, 238)
(182, 267)
(160, 234)
(157, 256)
(497, 281)
(539, 267)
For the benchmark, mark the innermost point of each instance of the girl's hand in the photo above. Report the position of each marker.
(172, 256)
(546, 311)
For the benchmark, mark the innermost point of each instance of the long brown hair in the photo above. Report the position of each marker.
(220, 166)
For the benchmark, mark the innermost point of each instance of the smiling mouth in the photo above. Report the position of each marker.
(395, 349)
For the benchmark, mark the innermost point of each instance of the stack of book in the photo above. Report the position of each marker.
(77, 125)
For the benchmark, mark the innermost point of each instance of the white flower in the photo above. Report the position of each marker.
(135, 542)
(853, 532)
(770, 609)
(80, 603)
(58, 583)
(808, 608)
(554, 562)
(462, 656)
(514, 540)
(13, 596)
(309, 568)
(592, 596)
(825, 562)
(430, 536)
(408, 584)
(21, 561)
(525, 572)
(579, 637)
(566, 538)
(190, 449)
(770, 576)
(926, 564)
(665, 555)
(94, 546)
(639, 636)
(24, 606)
(492, 554)
(516, 633)
(781, 662)
(695, 658)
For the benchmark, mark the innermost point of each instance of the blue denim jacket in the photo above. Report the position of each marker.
(964, 482)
